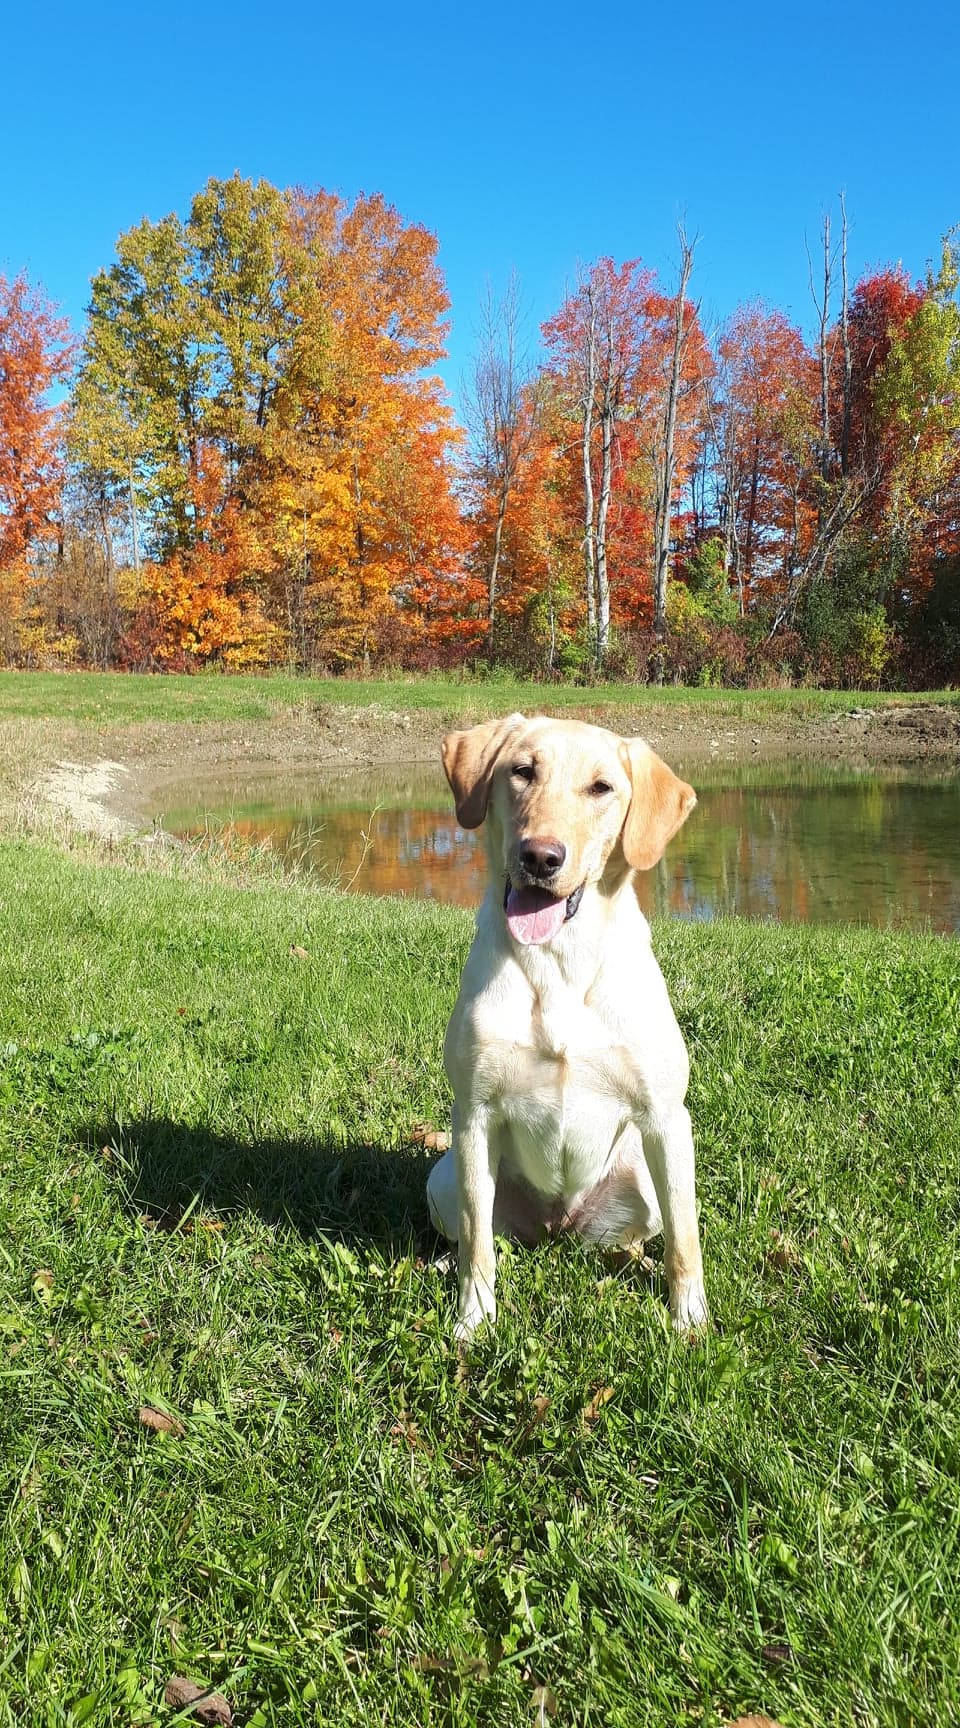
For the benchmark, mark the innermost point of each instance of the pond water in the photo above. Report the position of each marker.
(787, 843)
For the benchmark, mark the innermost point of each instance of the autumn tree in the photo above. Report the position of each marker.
(183, 348)
(273, 346)
(760, 422)
(35, 356)
(369, 472)
(678, 360)
(915, 399)
(501, 416)
(594, 343)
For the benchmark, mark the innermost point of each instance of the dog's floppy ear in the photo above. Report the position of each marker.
(469, 759)
(659, 805)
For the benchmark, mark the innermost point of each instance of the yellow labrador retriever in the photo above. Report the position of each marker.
(568, 1068)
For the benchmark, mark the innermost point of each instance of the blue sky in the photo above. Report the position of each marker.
(524, 135)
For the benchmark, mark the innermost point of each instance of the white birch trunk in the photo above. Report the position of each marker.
(664, 497)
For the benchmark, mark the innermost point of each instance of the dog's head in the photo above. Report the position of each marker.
(567, 805)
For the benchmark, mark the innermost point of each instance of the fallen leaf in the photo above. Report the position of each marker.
(43, 1285)
(158, 1421)
(601, 1396)
(201, 1701)
(425, 1664)
(406, 1430)
(544, 1702)
(777, 1652)
(474, 1666)
(755, 1722)
(299, 953)
(540, 1405)
(167, 1221)
(436, 1140)
(784, 1254)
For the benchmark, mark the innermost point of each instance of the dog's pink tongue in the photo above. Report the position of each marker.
(533, 915)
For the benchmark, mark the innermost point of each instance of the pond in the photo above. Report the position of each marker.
(793, 843)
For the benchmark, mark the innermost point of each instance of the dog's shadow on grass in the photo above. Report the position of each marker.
(353, 1192)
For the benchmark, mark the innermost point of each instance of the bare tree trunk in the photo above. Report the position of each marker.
(752, 507)
(501, 415)
(840, 500)
(837, 514)
(845, 341)
(494, 571)
(603, 507)
(823, 307)
(361, 545)
(664, 491)
(589, 535)
(732, 551)
(103, 514)
(134, 522)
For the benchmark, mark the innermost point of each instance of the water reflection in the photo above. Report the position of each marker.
(794, 844)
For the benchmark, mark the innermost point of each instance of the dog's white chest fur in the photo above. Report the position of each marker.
(540, 1040)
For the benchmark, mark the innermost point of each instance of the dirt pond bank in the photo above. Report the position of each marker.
(107, 782)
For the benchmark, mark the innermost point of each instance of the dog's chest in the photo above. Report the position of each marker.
(565, 1098)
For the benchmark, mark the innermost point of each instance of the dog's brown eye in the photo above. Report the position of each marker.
(599, 788)
(522, 771)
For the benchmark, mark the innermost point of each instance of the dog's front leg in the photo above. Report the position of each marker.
(477, 1184)
(668, 1146)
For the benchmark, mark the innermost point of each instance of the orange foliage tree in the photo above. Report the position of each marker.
(35, 356)
(286, 453)
(204, 603)
(372, 502)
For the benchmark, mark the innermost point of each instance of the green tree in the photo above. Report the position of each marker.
(917, 397)
(138, 405)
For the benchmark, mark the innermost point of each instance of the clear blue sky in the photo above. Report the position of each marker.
(524, 135)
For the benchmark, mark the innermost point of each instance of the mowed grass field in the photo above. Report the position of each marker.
(119, 699)
(238, 1446)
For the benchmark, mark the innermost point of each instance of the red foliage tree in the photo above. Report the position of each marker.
(35, 356)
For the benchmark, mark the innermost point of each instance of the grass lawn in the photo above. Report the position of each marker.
(117, 699)
(211, 1210)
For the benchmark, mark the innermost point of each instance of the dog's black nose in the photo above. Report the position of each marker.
(542, 858)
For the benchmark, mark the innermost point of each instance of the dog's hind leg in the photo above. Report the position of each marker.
(623, 1210)
(442, 1198)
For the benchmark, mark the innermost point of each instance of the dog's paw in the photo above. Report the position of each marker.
(688, 1308)
(477, 1307)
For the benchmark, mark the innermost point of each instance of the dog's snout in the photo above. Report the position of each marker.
(542, 858)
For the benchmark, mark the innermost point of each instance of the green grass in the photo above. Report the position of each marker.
(115, 699)
(210, 1206)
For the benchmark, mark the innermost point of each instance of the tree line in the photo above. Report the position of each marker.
(248, 459)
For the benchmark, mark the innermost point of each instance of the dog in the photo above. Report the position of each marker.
(568, 1069)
